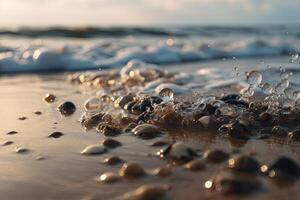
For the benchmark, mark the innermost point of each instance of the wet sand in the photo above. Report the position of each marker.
(66, 174)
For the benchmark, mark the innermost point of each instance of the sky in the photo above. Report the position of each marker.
(15, 13)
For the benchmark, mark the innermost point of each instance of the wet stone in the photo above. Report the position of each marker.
(94, 149)
(12, 132)
(125, 100)
(279, 131)
(283, 166)
(22, 118)
(195, 165)
(240, 131)
(148, 192)
(55, 134)
(67, 108)
(163, 171)
(178, 152)
(6, 143)
(146, 131)
(243, 163)
(159, 143)
(38, 112)
(132, 171)
(109, 177)
(111, 143)
(91, 121)
(108, 130)
(21, 150)
(294, 135)
(113, 160)
(234, 185)
(50, 98)
(215, 156)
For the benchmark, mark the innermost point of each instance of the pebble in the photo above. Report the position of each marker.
(146, 131)
(195, 165)
(132, 171)
(67, 108)
(93, 149)
(12, 132)
(215, 156)
(284, 166)
(91, 121)
(109, 177)
(163, 171)
(239, 130)
(108, 130)
(113, 160)
(50, 98)
(38, 112)
(279, 131)
(243, 163)
(21, 150)
(122, 101)
(22, 118)
(55, 134)
(294, 135)
(6, 143)
(179, 152)
(148, 192)
(111, 143)
(159, 143)
(230, 184)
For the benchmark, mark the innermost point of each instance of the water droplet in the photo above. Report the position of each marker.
(289, 92)
(254, 78)
(93, 103)
(167, 94)
(280, 87)
(294, 58)
(267, 88)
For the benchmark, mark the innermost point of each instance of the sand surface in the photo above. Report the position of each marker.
(66, 174)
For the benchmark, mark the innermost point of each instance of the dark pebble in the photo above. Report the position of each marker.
(215, 156)
(279, 131)
(113, 160)
(12, 132)
(67, 108)
(284, 165)
(38, 112)
(243, 163)
(111, 143)
(55, 134)
(108, 130)
(294, 135)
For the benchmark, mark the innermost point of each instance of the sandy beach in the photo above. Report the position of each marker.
(54, 168)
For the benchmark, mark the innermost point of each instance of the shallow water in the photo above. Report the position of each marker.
(66, 174)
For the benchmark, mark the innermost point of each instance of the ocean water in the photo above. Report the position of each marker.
(26, 50)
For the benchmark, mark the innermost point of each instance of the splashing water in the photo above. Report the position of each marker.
(167, 94)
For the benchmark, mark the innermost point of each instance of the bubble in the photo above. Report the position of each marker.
(267, 88)
(296, 95)
(289, 92)
(294, 57)
(254, 78)
(167, 94)
(92, 103)
(280, 87)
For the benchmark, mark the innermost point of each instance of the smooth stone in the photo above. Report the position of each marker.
(159, 143)
(148, 192)
(215, 156)
(21, 150)
(232, 184)
(67, 108)
(146, 131)
(284, 165)
(109, 177)
(22, 118)
(195, 165)
(113, 160)
(12, 132)
(243, 163)
(178, 151)
(50, 98)
(38, 112)
(132, 171)
(163, 171)
(6, 143)
(111, 143)
(93, 149)
(55, 134)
